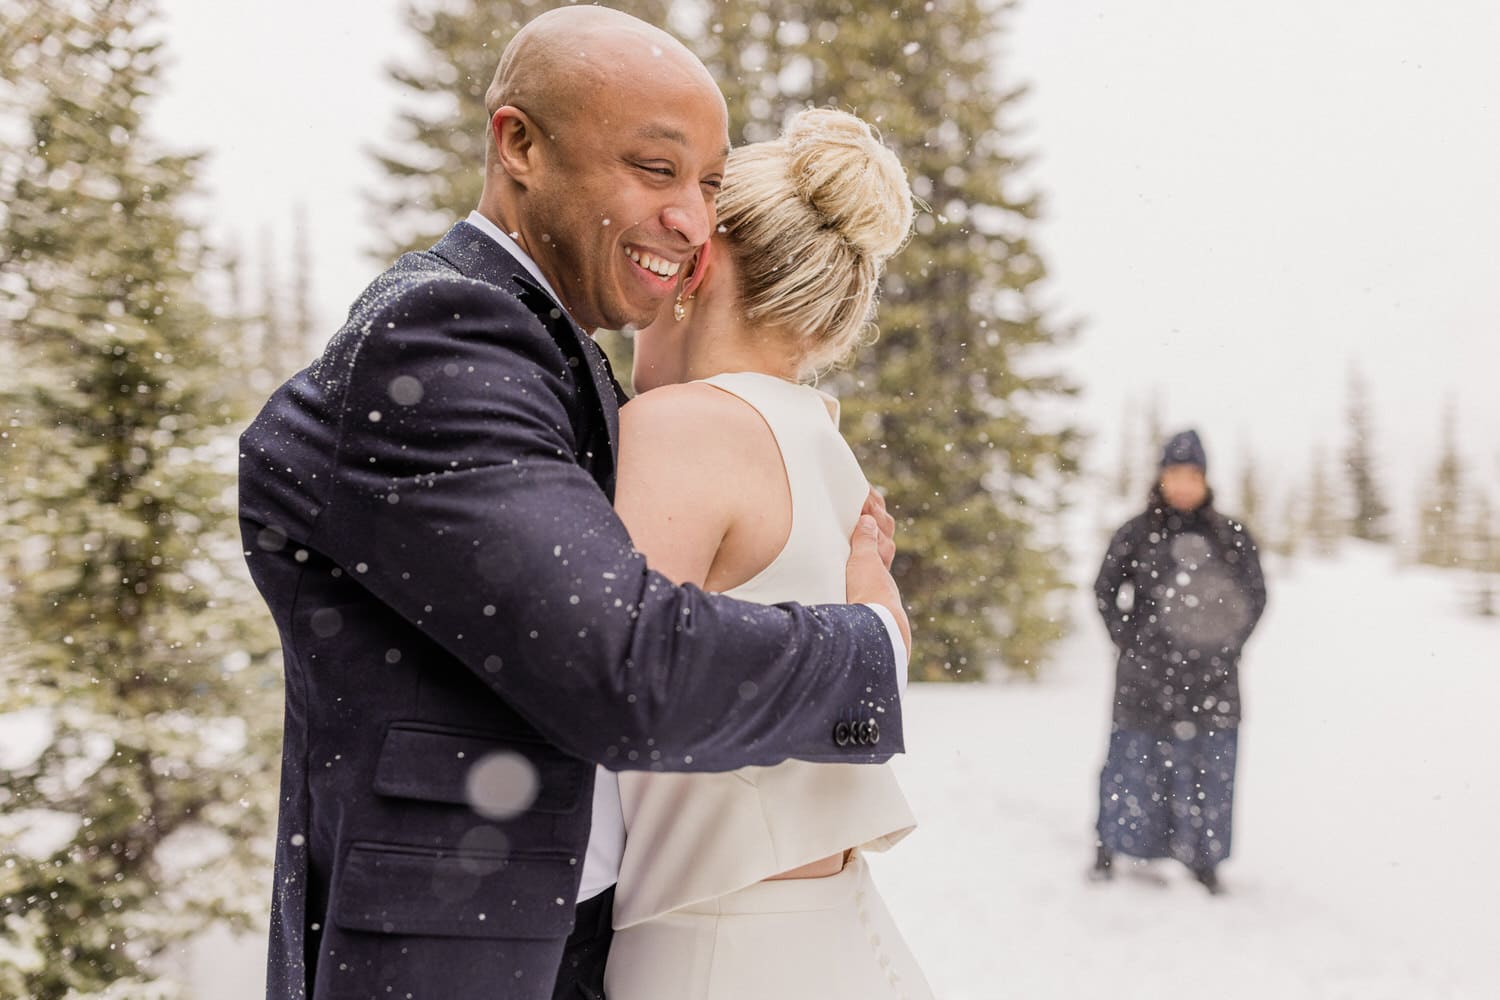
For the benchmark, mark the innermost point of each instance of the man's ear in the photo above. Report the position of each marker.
(515, 147)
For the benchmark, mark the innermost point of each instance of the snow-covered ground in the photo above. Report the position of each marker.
(1367, 816)
(1367, 819)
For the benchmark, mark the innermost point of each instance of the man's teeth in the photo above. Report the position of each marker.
(665, 268)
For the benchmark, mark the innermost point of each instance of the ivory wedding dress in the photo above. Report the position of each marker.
(694, 915)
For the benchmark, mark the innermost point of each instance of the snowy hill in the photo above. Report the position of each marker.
(1366, 819)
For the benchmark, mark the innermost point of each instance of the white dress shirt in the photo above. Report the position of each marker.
(601, 863)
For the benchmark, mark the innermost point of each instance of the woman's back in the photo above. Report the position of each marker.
(827, 487)
(692, 837)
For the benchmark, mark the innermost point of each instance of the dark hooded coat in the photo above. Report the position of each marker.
(1180, 593)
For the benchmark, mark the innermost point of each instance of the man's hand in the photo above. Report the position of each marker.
(867, 577)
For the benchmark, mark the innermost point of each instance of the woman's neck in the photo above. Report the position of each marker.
(735, 346)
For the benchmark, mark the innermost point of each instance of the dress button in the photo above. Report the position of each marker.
(841, 734)
(866, 734)
(874, 731)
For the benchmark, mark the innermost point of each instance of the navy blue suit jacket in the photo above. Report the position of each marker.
(427, 512)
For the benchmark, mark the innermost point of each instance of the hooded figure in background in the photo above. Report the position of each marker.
(1180, 591)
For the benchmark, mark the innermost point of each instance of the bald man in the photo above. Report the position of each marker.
(467, 629)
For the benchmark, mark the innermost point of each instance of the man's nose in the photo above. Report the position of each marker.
(691, 216)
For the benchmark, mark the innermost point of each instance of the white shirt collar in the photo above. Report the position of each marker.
(510, 246)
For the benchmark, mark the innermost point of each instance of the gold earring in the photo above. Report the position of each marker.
(679, 308)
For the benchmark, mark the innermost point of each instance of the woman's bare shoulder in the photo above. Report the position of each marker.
(695, 414)
(709, 446)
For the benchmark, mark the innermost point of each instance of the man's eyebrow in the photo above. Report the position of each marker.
(666, 132)
(658, 131)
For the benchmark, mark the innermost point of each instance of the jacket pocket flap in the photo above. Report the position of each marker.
(387, 889)
(499, 777)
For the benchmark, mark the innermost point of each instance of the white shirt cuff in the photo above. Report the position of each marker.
(898, 644)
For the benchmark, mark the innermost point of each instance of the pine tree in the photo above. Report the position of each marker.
(130, 625)
(1438, 535)
(305, 339)
(236, 324)
(1127, 464)
(1368, 517)
(1250, 496)
(1156, 432)
(1483, 556)
(235, 307)
(276, 332)
(1324, 527)
(284, 326)
(945, 410)
(434, 170)
(1289, 543)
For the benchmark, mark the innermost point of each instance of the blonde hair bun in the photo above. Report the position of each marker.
(850, 179)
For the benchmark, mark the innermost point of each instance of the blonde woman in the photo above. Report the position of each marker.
(750, 885)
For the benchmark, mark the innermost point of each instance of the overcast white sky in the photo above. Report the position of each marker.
(1241, 198)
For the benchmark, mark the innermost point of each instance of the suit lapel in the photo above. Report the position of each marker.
(575, 342)
(477, 256)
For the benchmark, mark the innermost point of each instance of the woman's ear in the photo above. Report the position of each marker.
(700, 269)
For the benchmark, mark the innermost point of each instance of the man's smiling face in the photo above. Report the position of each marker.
(626, 193)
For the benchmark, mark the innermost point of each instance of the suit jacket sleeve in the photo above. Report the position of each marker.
(457, 499)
